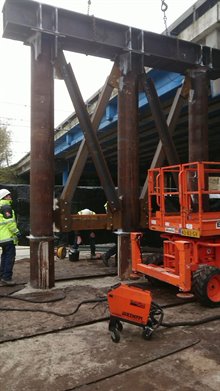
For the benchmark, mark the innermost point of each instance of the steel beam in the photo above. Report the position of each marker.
(89, 35)
(90, 222)
(42, 168)
(105, 221)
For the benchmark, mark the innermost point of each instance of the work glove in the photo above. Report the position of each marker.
(18, 234)
(17, 237)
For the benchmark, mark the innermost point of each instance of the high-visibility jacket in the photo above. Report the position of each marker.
(8, 225)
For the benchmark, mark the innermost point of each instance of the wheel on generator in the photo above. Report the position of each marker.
(115, 335)
(206, 285)
(115, 327)
(147, 333)
(119, 326)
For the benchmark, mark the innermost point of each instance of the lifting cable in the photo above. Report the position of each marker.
(164, 8)
(89, 5)
(93, 19)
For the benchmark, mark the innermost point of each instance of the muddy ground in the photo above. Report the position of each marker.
(58, 340)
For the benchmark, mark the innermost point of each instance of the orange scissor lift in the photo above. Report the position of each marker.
(184, 204)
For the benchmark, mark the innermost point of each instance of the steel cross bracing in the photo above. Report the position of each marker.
(89, 35)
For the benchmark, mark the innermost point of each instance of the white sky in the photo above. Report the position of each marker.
(90, 72)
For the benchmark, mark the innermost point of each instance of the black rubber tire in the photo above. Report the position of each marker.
(202, 286)
(146, 335)
(154, 282)
(119, 326)
(154, 259)
(115, 335)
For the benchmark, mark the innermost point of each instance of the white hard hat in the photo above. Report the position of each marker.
(4, 193)
(86, 212)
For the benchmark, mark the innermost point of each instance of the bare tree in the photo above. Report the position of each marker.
(5, 146)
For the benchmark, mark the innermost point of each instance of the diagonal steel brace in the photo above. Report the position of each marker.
(159, 156)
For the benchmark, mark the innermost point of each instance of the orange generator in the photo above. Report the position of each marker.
(132, 304)
(184, 205)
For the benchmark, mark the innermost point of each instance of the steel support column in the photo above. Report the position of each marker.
(42, 167)
(128, 163)
(198, 116)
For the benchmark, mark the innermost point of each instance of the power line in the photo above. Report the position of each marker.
(14, 103)
(14, 126)
(12, 119)
(17, 141)
(28, 106)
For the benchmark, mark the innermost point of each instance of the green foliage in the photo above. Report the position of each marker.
(5, 146)
(7, 175)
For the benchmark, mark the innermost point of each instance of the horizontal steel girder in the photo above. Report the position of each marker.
(93, 36)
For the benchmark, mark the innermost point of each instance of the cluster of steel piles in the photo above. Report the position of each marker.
(49, 31)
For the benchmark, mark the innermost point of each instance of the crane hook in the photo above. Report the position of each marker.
(164, 6)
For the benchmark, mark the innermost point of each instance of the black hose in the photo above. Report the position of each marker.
(132, 368)
(98, 300)
(191, 322)
(54, 331)
(171, 305)
(156, 310)
(51, 300)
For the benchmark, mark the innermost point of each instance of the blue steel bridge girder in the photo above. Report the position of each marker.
(166, 84)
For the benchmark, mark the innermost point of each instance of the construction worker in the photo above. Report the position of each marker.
(91, 235)
(9, 234)
(112, 251)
